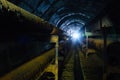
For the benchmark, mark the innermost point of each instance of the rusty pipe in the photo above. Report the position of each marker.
(26, 17)
(32, 69)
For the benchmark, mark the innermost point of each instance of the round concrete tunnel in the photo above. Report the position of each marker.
(68, 15)
(68, 21)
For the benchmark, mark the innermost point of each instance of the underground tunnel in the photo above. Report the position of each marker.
(59, 40)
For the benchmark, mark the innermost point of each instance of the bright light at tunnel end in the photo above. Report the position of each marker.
(76, 36)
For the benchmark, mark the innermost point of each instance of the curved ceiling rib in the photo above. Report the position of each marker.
(63, 12)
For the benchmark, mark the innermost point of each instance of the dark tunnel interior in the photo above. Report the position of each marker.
(81, 37)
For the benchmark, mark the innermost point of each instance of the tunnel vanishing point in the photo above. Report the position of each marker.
(59, 40)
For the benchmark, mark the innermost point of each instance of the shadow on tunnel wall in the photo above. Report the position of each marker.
(113, 52)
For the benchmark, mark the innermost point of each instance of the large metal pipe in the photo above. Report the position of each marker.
(32, 69)
(98, 43)
(30, 21)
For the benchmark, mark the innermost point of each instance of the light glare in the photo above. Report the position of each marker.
(76, 35)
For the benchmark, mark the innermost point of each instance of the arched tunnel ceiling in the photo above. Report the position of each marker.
(64, 13)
